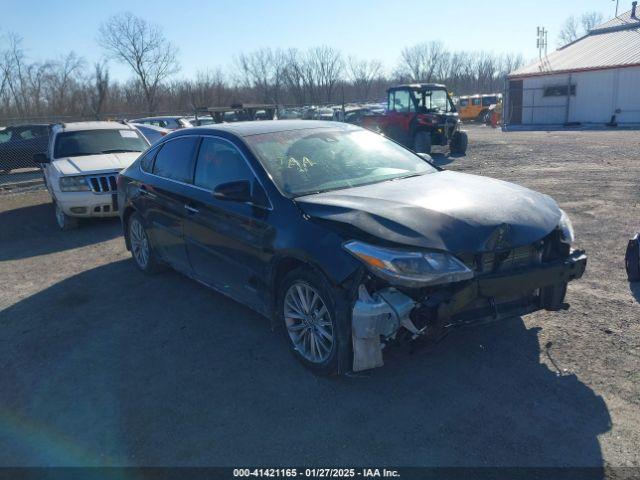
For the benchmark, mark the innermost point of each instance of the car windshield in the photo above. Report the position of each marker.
(433, 100)
(95, 142)
(316, 160)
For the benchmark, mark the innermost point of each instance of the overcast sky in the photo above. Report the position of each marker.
(210, 33)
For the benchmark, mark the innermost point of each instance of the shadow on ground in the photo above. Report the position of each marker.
(635, 290)
(39, 234)
(114, 367)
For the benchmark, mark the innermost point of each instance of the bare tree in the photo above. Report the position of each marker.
(590, 20)
(362, 74)
(568, 32)
(424, 62)
(262, 71)
(99, 90)
(325, 65)
(64, 74)
(133, 41)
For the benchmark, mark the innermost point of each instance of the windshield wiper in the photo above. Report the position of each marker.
(119, 150)
(407, 176)
(79, 154)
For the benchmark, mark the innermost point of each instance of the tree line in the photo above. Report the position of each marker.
(69, 87)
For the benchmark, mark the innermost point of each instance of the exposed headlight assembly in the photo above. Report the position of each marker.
(566, 228)
(410, 268)
(74, 184)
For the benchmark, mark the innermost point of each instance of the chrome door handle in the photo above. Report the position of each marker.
(191, 210)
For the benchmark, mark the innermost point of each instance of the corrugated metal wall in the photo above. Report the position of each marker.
(598, 95)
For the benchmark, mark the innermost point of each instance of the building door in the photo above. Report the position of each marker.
(515, 102)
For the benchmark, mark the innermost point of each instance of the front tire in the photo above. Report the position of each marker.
(459, 143)
(64, 221)
(313, 327)
(142, 252)
(422, 142)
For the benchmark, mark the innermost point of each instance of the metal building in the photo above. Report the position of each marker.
(594, 80)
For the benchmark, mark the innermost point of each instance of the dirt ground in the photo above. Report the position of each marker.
(102, 365)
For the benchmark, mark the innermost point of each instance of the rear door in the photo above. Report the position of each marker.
(166, 196)
(228, 242)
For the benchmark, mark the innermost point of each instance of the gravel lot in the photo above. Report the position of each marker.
(102, 365)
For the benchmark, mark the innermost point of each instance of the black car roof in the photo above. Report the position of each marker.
(245, 129)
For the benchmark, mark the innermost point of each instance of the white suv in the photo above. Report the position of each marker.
(81, 166)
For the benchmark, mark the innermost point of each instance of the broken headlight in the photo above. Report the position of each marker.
(410, 268)
(566, 228)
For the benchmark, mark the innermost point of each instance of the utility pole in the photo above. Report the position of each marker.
(541, 42)
(617, 1)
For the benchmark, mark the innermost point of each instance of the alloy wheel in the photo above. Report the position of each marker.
(308, 322)
(139, 243)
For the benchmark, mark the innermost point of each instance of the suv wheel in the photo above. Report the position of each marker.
(313, 327)
(422, 142)
(64, 221)
(141, 250)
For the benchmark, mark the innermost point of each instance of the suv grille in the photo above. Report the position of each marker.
(103, 183)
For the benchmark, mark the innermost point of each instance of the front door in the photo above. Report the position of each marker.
(166, 199)
(227, 241)
(400, 113)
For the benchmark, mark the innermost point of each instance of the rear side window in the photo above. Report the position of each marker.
(475, 101)
(175, 159)
(146, 163)
(219, 162)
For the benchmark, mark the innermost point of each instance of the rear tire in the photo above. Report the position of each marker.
(459, 143)
(142, 251)
(64, 221)
(312, 325)
(422, 142)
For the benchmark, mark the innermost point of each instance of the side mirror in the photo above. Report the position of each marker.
(239, 191)
(40, 158)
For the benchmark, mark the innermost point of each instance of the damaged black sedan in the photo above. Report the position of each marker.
(345, 239)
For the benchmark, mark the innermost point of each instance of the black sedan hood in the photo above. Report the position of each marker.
(448, 211)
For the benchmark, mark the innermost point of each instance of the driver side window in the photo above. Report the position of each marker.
(220, 162)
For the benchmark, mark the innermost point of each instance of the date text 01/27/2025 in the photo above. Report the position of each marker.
(315, 473)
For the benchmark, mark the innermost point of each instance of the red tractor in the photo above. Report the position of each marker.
(419, 116)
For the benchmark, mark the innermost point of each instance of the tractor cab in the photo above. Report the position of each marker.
(419, 116)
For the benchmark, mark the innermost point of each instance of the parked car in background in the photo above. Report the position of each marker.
(200, 121)
(169, 122)
(352, 114)
(19, 143)
(151, 132)
(477, 107)
(346, 239)
(81, 164)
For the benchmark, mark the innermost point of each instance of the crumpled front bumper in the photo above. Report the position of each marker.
(546, 277)
(484, 298)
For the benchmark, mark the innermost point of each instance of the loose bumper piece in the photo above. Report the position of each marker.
(373, 317)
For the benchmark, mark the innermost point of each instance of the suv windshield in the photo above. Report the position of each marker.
(432, 100)
(95, 142)
(315, 160)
